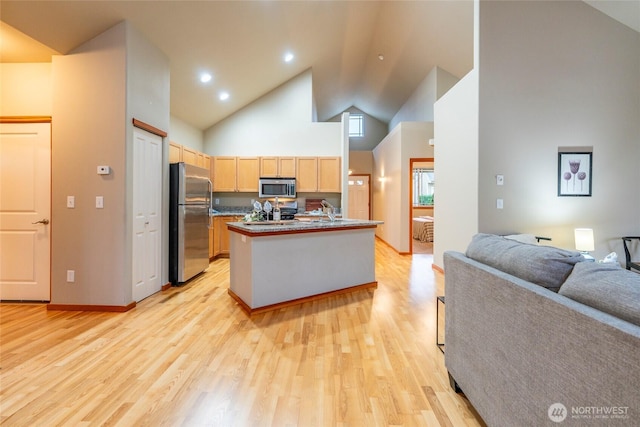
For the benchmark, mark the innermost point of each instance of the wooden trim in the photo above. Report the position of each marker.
(258, 310)
(145, 126)
(437, 268)
(165, 286)
(83, 307)
(391, 247)
(25, 119)
(304, 231)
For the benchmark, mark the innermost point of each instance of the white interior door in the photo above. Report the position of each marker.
(147, 213)
(25, 211)
(358, 197)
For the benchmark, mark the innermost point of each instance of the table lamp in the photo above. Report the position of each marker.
(584, 242)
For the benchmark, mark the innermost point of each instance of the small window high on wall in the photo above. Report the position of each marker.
(423, 187)
(356, 125)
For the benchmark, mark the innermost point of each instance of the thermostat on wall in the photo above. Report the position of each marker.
(104, 170)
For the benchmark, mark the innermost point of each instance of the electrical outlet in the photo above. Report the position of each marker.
(217, 201)
(71, 202)
(71, 276)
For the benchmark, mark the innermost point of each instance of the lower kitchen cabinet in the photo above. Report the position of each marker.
(211, 242)
(221, 245)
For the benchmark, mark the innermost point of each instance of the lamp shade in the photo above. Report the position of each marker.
(584, 239)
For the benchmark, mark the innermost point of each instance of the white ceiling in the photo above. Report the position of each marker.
(242, 43)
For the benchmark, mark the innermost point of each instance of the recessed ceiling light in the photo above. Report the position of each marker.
(223, 96)
(205, 77)
(288, 57)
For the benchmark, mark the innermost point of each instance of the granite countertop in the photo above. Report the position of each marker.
(314, 215)
(292, 226)
(231, 210)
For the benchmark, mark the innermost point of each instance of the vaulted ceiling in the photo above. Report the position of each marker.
(242, 44)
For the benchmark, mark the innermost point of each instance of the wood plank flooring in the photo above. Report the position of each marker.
(190, 356)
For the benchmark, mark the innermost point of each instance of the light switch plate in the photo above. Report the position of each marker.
(499, 204)
(499, 179)
(71, 202)
(99, 202)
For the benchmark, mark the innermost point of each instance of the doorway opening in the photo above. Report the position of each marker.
(421, 205)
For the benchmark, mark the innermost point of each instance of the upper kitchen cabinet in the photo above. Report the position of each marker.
(329, 175)
(180, 153)
(278, 167)
(190, 156)
(175, 152)
(318, 174)
(248, 169)
(306, 174)
(231, 174)
(224, 173)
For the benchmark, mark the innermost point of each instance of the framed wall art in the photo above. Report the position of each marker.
(574, 173)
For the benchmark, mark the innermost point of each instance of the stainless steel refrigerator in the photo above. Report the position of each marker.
(189, 221)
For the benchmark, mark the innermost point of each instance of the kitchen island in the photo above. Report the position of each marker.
(277, 264)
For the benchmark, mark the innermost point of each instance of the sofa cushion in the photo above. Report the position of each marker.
(606, 287)
(543, 265)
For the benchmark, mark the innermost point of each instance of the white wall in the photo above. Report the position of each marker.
(557, 74)
(278, 123)
(25, 89)
(148, 100)
(391, 180)
(92, 125)
(419, 106)
(89, 129)
(532, 91)
(183, 133)
(456, 168)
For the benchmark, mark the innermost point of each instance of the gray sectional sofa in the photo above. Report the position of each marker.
(526, 355)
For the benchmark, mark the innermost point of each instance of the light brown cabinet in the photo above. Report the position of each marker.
(319, 174)
(175, 152)
(221, 237)
(329, 175)
(241, 174)
(224, 173)
(247, 174)
(180, 153)
(307, 174)
(232, 174)
(212, 236)
(190, 156)
(278, 167)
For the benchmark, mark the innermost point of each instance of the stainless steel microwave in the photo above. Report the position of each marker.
(277, 187)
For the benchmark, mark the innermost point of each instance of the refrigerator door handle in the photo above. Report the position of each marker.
(210, 203)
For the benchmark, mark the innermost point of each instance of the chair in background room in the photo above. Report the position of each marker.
(627, 253)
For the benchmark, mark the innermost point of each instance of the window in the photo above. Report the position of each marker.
(423, 187)
(356, 125)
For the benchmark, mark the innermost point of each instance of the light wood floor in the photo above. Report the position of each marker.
(190, 356)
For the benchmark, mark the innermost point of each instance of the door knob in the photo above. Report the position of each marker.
(42, 221)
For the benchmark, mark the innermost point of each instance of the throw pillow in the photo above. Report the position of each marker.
(546, 266)
(606, 287)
